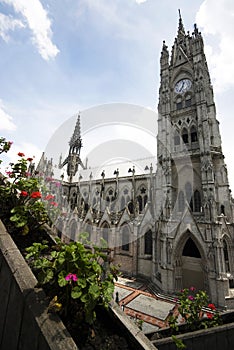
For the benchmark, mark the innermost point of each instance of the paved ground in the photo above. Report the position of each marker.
(139, 304)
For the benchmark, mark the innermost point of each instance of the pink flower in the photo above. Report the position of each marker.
(21, 154)
(24, 193)
(57, 184)
(190, 297)
(49, 178)
(71, 277)
(192, 289)
(49, 197)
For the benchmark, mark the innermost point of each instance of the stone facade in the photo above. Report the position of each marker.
(173, 226)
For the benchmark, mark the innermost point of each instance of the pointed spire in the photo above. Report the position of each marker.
(164, 56)
(181, 30)
(76, 134)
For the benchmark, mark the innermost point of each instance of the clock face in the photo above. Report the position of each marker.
(182, 86)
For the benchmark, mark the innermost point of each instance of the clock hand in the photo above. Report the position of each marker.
(182, 88)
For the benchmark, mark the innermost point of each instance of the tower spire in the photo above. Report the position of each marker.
(181, 30)
(75, 141)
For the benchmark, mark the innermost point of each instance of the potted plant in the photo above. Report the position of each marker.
(74, 276)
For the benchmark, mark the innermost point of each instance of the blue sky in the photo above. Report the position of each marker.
(62, 56)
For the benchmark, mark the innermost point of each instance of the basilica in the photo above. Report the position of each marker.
(173, 226)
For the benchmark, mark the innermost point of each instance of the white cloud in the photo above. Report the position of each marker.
(29, 149)
(7, 23)
(39, 23)
(216, 19)
(140, 1)
(6, 122)
(119, 21)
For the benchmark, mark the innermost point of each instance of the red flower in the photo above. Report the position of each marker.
(29, 159)
(35, 195)
(20, 154)
(212, 307)
(54, 204)
(24, 193)
(209, 315)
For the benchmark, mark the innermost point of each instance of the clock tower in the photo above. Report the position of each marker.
(194, 206)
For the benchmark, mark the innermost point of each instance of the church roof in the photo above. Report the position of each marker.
(124, 169)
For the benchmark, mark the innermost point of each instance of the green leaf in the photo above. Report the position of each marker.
(48, 276)
(76, 292)
(15, 217)
(61, 279)
(82, 282)
(94, 290)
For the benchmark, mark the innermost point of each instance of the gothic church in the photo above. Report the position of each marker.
(173, 227)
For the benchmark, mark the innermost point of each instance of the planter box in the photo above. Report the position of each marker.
(25, 323)
(215, 338)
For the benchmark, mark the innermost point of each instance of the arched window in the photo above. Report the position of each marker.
(181, 201)
(190, 249)
(125, 198)
(125, 237)
(176, 138)
(131, 207)
(222, 209)
(185, 135)
(188, 101)
(188, 191)
(226, 257)
(139, 198)
(193, 133)
(148, 243)
(142, 197)
(197, 201)
(110, 195)
(105, 232)
(179, 103)
(73, 230)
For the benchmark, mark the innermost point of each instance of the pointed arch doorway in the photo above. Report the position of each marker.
(192, 270)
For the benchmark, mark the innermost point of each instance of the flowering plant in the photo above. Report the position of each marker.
(195, 310)
(20, 196)
(4, 146)
(74, 276)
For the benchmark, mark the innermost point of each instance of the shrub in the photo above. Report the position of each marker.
(77, 278)
(195, 310)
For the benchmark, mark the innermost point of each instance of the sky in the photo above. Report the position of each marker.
(59, 57)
